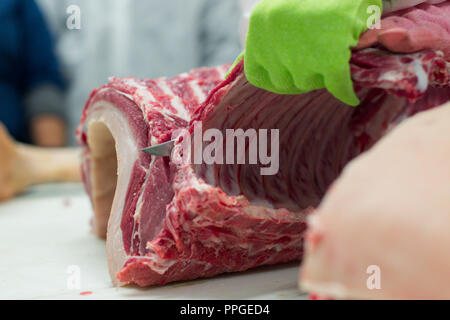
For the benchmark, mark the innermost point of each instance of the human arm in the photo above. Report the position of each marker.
(42, 83)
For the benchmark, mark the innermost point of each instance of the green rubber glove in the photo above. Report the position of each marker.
(296, 46)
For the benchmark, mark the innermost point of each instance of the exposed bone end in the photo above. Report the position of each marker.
(390, 209)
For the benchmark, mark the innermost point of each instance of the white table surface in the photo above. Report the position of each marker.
(46, 231)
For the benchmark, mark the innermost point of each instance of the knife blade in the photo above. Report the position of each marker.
(161, 150)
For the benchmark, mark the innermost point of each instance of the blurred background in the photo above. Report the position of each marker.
(54, 52)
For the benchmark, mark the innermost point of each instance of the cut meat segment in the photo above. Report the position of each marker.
(167, 220)
(167, 223)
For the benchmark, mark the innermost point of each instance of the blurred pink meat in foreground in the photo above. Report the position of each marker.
(385, 223)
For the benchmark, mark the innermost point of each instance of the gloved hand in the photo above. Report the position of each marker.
(296, 46)
(414, 31)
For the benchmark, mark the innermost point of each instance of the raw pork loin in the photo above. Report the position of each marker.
(167, 221)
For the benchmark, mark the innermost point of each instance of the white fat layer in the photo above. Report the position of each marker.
(198, 92)
(158, 265)
(421, 76)
(177, 103)
(127, 155)
(141, 91)
(144, 99)
(393, 76)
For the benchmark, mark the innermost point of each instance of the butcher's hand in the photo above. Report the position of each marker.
(412, 32)
(22, 166)
(294, 47)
